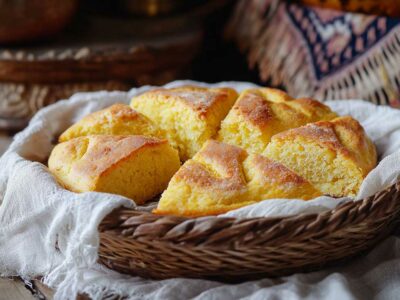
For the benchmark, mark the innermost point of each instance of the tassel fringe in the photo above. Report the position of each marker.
(263, 29)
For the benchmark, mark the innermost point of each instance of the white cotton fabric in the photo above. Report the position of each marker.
(4, 142)
(48, 231)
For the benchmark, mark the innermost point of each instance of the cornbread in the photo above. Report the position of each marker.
(118, 119)
(258, 114)
(268, 146)
(189, 115)
(133, 166)
(335, 156)
(222, 177)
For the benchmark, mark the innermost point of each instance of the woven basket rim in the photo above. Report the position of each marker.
(218, 231)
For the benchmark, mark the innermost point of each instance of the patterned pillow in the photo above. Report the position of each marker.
(323, 53)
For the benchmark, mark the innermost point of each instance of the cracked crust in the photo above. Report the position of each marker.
(260, 107)
(118, 119)
(222, 177)
(77, 163)
(342, 135)
(217, 166)
(271, 171)
(200, 100)
(258, 114)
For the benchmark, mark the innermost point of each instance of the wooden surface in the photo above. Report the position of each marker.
(15, 289)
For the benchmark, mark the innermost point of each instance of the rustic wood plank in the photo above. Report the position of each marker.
(47, 292)
(14, 289)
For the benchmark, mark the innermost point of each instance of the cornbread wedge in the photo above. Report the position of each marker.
(188, 115)
(335, 156)
(134, 166)
(258, 114)
(222, 177)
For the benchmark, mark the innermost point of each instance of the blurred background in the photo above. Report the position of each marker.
(329, 49)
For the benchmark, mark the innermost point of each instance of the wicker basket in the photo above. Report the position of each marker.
(229, 249)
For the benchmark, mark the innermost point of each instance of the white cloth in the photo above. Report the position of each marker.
(5, 141)
(46, 230)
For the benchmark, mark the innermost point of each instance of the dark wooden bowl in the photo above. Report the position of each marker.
(27, 20)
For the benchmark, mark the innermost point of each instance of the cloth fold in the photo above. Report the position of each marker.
(48, 231)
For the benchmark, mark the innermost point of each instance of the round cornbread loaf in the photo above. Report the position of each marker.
(222, 177)
(118, 119)
(136, 167)
(335, 156)
(258, 114)
(189, 115)
(270, 146)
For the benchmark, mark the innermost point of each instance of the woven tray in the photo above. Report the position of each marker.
(229, 249)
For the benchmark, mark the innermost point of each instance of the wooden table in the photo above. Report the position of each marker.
(16, 289)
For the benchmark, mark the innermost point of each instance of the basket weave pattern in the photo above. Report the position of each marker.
(230, 249)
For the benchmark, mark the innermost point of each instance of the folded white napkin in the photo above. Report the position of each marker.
(46, 230)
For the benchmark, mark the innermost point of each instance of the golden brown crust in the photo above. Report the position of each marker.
(275, 172)
(117, 115)
(115, 112)
(314, 109)
(350, 132)
(261, 106)
(120, 111)
(272, 95)
(104, 151)
(221, 177)
(199, 99)
(342, 135)
(227, 159)
(136, 167)
(352, 127)
(312, 103)
(253, 107)
(322, 133)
